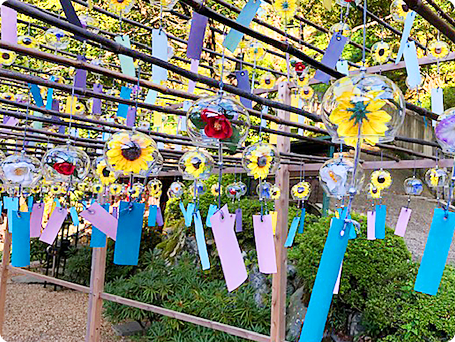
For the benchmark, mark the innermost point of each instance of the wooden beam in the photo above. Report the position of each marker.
(278, 324)
(4, 274)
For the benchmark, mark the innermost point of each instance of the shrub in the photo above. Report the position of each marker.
(377, 282)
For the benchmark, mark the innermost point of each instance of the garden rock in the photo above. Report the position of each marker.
(128, 329)
(295, 314)
(355, 326)
(259, 283)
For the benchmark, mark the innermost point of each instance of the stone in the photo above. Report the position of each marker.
(355, 325)
(259, 283)
(295, 315)
(128, 329)
(26, 279)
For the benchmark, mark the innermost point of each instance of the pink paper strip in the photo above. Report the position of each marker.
(36, 219)
(228, 248)
(371, 229)
(194, 68)
(265, 245)
(53, 225)
(101, 219)
(403, 220)
(9, 25)
(336, 290)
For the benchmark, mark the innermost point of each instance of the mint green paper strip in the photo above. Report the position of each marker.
(292, 231)
(245, 17)
(126, 62)
(321, 297)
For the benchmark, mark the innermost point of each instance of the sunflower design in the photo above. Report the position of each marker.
(436, 178)
(381, 52)
(155, 188)
(115, 189)
(97, 188)
(130, 152)
(306, 93)
(255, 51)
(105, 175)
(56, 189)
(399, 10)
(194, 164)
(83, 186)
(7, 57)
(121, 6)
(28, 42)
(301, 191)
(136, 190)
(215, 189)
(341, 28)
(34, 190)
(2, 188)
(373, 191)
(8, 96)
(257, 160)
(381, 179)
(285, 8)
(365, 111)
(267, 81)
(275, 193)
(73, 106)
(439, 49)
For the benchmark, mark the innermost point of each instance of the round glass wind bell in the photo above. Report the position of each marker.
(121, 6)
(102, 171)
(260, 160)
(413, 186)
(381, 179)
(346, 3)
(20, 171)
(7, 57)
(381, 52)
(236, 190)
(155, 189)
(267, 81)
(399, 10)
(166, 5)
(439, 49)
(445, 131)
(343, 29)
(299, 69)
(65, 164)
(57, 38)
(176, 190)
(436, 178)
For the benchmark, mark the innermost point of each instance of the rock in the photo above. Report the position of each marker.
(259, 283)
(26, 279)
(191, 245)
(295, 315)
(354, 324)
(128, 329)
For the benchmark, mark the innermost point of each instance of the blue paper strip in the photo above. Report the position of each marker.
(30, 201)
(187, 213)
(129, 231)
(436, 252)
(321, 297)
(126, 62)
(412, 65)
(243, 83)
(20, 239)
(98, 238)
(11, 204)
(196, 37)
(36, 94)
(331, 56)
(381, 212)
(245, 17)
(122, 110)
(292, 231)
(405, 35)
(352, 232)
(212, 209)
(159, 50)
(153, 209)
(302, 221)
(74, 216)
(50, 94)
(200, 240)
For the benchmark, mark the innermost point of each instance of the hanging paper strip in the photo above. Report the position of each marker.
(292, 231)
(10, 204)
(331, 56)
(238, 220)
(99, 217)
(36, 94)
(159, 217)
(74, 216)
(159, 50)
(129, 231)
(302, 220)
(352, 232)
(243, 83)
(329, 268)
(131, 117)
(9, 25)
(274, 216)
(187, 213)
(336, 290)
(80, 79)
(231, 258)
(71, 15)
(196, 37)
(436, 252)
(126, 62)
(380, 216)
(53, 225)
(36, 220)
(152, 216)
(371, 225)
(200, 240)
(343, 67)
(265, 244)
(403, 220)
(21, 239)
(245, 17)
(122, 110)
(212, 209)
(405, 35)
(96, 106)
(98, 238)
(193, 68)
(50, 94)
(412, 65)
(437, 100)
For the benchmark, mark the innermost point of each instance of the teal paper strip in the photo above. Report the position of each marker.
(321, 297)
(381, 212)
(20, 239)
(126, 62)
(98, 238)
(302, 221)
(352, 232)
(153, 211)
(292, 231)
(11, 204)
(406, 32)
(245, 17)
(36, 94)
(74, 216)
(50, 95)
(30, 201)
(212, 209)
(122, 110)
(436, 252)
(187, 213)
(200, 239)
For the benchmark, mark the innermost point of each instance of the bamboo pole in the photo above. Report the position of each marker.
(4, 275)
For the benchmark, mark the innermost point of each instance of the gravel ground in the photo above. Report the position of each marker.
(38, 314)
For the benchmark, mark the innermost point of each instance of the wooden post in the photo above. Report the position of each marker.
(4, 275)
(278, 324)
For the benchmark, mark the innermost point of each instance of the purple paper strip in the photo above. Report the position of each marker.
(131, 116)
(196, 38)
(115, 212)
(10, 121)
(194, 68)
(101, 219)
(331, 56)
(80, 80)
(36, 219)
(238, 220)
(403, 220)
(243, 83)
(9, 25)
(232, 263)
(159, 217)
(265, 245)
(371, 225)
(56, 107)
(53, 225)
(96, 107)
(71, 15)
